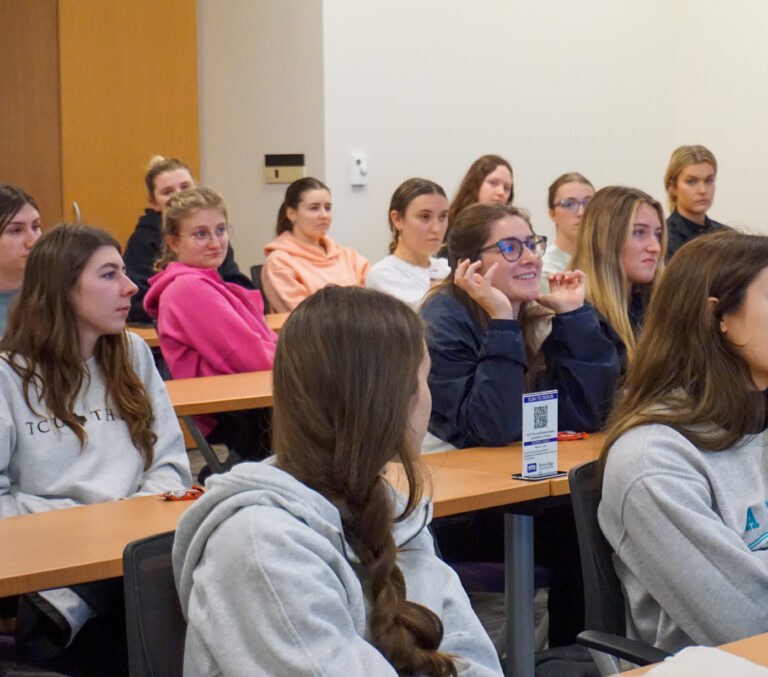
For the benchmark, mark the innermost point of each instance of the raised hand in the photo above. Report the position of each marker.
(480, 288)
(566, 291)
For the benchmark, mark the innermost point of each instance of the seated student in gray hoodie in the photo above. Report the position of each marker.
(686, 480)
(310, 563)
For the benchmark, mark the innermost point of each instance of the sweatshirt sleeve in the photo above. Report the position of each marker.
(476, 379)
(283, 286)
(170, 463)
(267, 601)
(194, 312)
(583, 359)
(662, 519)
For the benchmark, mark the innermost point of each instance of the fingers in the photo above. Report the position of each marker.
(566, 279)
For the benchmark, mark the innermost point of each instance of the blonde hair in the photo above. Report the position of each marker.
(178, 208)
(681, 158)
(606, 228)
(159, 165)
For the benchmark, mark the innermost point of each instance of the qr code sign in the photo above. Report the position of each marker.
(539, 418)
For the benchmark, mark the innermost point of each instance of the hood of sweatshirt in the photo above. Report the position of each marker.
(263, 484)
(151, 221)
(286, 242)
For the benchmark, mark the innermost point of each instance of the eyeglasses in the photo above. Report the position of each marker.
(512, 249)
(571, 204)
(205, 235)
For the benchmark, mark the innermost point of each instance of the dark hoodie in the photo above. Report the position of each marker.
(142, 251)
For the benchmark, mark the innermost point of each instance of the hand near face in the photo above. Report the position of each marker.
(480, 288)
(566, 291)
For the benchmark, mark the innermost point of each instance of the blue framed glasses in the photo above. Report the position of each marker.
(512, 249)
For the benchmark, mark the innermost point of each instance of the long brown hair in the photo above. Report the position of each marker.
(605, 230)
(686, 373)
(12, 200)
(469, 234)
(340, 414)
(470, 185)
(293, 196)
(42, 345)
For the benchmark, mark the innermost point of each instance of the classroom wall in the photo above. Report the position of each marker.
(423, 87)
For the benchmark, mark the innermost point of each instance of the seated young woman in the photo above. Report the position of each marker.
(165, 178)
(84, 415)
(568, 196)
(207, 326)
(690, 184)
(490, 343)
(685, 486)
(621, 247)
(19, 230)
(303, 258)
(315, 540)
(418, 216)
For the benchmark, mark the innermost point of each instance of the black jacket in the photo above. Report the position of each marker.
(476, 380)
(142, 251)
(680, 230)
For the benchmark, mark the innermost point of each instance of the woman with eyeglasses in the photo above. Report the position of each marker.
(490, 342)
(567, 198)
(207, 326)
(621, 247)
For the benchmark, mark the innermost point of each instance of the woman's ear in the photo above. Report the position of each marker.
(713, 301)
(173, 243)
(397, 220)
(290, 214)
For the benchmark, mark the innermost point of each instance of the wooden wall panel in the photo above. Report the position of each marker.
(30, 147)
(128, 91)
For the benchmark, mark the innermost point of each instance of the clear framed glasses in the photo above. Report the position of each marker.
(512, 249)
(572, 205)
(205, 235)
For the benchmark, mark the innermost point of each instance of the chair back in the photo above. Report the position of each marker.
(603, 597)
(256, 279)
(155, 625)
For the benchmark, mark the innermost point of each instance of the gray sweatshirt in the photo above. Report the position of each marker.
(270, 586)
(689, 530)
(42, 466)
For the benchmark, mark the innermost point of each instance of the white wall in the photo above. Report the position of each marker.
(261, 92)
(423, 87)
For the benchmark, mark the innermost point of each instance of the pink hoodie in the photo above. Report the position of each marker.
(295, 270)
(207, 326)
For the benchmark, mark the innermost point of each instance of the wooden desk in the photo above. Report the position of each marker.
(75, 545)
(754, 649)
(275, 322)
(214, 394)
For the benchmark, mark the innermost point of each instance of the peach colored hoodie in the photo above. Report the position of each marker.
(295, 270)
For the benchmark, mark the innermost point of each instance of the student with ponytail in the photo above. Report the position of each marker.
(309, 563)
(303, 258)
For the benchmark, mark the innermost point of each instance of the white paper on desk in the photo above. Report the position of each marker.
(704, 661)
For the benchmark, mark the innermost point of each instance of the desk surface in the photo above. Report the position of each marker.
(75, 545)
(213, 394)
(754, 649)
(275, 322)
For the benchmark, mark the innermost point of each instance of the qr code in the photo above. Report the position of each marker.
(539, 418)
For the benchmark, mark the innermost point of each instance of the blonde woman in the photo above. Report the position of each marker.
(690, 185)
(621, 247)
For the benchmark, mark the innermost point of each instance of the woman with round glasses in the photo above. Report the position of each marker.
(567, 198)
(490, 342)
(621, 247)
(207, 326)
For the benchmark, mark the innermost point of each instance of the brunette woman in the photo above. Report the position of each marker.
(418, 216)
(310, 563)
(207, 326)
(690, 185)
(19, 230)
(489, 342)
(165, 178)
(85, 418)
(685, 487)
(303, 258)
(621, 247)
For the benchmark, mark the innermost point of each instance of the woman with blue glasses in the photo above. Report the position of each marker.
(491, 337)
(567, 198)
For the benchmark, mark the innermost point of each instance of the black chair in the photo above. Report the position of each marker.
(603, 598)
(154, 623)
(256, 279)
